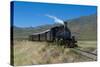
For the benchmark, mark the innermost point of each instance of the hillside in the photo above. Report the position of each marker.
(84, 28)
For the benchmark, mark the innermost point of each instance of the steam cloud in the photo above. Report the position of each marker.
(55, 19)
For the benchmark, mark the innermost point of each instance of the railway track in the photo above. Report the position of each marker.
(90, 55)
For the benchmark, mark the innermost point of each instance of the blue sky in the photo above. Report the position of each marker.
(33, 14)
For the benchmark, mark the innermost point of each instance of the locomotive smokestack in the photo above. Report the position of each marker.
(65, 25)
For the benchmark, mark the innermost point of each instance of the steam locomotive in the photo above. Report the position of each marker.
(58, 33)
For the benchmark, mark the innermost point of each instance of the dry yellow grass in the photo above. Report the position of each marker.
(30, 53)
(89, 46)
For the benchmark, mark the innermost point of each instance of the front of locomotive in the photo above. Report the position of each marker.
(63, 32)
(68, 37)
(63, 36)
(66, 33)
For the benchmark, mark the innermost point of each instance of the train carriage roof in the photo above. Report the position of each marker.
(41, 32)
(55, 26)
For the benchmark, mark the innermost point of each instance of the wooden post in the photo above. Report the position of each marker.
(51, 35)
(31, 37)
(46, 36)
(39, 37)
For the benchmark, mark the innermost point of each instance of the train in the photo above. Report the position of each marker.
(59, 34)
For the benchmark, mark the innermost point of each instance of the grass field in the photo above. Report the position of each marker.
(89, 46)
(31, 53)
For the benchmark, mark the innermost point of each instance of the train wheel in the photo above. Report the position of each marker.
(67, 43)
(72, 45)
